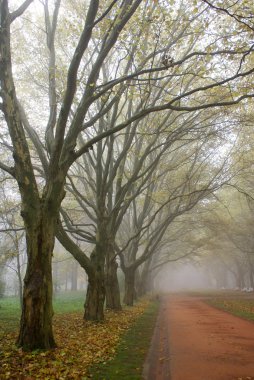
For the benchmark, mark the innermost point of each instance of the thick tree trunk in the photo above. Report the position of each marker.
(37, 312)
(129, 293)
(95, 297)
(94, 267)
(113, 300)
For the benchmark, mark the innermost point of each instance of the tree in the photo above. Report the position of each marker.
(123, 171)
(73, 112)
(191, 177)
(12, 233)
(40, 210)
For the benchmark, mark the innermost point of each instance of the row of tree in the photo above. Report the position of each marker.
(115, 129)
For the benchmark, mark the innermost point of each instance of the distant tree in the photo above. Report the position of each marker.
(191, 177)
(12, 232)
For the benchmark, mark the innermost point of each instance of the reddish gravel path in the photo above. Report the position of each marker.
(194, 341)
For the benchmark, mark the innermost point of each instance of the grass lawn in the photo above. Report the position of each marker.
(66, 302)
(9, 314)
(122, 340)
(69, 302)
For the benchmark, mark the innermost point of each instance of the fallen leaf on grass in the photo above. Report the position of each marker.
(80, 345)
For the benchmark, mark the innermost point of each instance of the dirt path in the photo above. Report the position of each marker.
(194, 341)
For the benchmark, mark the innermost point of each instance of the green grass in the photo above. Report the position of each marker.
(9, 314)
(69, 302)
(131, 351)
(66, 302)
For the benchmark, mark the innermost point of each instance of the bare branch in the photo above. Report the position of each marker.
(20, 10)
(51, 30)
(169, 105)
(72, 78)
(237, 17)
(7, 169)
(106, 12)
(12, 229)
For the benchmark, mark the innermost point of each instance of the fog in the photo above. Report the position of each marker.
(184, 277)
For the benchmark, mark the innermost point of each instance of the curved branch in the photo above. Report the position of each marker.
(20, 10)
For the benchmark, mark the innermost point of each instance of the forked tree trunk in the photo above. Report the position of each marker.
(94, 267)
(37, 312)
(95, 297)
(113, 300)
(129, 291)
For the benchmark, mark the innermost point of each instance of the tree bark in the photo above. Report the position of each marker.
(94, 267)
(95, 297)
(113, 299)
(129, 294)
(37, 312)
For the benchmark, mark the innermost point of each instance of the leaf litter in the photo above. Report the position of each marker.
(80, 345)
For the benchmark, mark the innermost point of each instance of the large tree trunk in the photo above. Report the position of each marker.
(95, 297)
(129, 291)
(113, 300)
(94, 267)
(37, 312)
